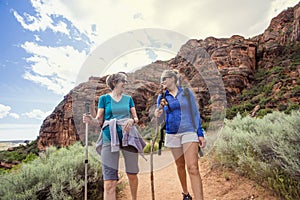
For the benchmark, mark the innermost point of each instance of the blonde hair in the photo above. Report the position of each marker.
(172, 73)
(113, 79)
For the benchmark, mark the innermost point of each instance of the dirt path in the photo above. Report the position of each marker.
(217, 185)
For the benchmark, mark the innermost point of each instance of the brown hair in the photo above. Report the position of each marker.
(113, 79)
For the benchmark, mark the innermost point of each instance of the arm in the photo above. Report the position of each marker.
(98, 120)
(100, 116)
(158, 112)
(134, 119)
(197, 119)
(134, 115)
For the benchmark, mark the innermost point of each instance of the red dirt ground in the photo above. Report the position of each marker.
(218, 184)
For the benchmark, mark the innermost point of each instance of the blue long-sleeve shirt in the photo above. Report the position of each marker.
(178, 115)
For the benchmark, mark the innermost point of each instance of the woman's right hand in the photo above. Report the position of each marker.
(158, 112)
(87, 118)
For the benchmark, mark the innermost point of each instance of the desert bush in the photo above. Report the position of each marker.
(55, 174)
(147, 148)
(262, 112)
(243, 108)
(19, 153)
(265, 149)
(147, 132)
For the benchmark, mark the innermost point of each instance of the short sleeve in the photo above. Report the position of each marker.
(131, 102)
(101, 102)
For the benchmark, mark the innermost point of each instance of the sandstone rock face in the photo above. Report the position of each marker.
(58, 129)
(217, 70)
(296, 30)
(234, 58)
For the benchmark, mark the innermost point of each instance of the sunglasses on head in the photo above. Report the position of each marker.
(165, 78)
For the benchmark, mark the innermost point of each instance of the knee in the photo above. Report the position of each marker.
(110, 186)
(180, 165)
(193, 170)
(132, 177)
(180, 168)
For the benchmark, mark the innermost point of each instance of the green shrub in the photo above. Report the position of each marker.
(19, 153)
(291, 107)
(262, 112)
(30, 157)
(147, 131)
(295, 91)
(265, 149)
(147, 148)
(243, 108)
(56, 174)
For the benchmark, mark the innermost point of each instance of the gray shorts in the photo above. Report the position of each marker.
(176, 140)
(110, 162)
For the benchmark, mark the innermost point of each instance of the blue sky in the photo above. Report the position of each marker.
(45, 43)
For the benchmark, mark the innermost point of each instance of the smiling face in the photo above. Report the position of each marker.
(168, 79)
(121, 83)
(118, 80)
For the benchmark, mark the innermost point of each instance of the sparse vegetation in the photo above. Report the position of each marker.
(147, 132)
(19, 153)
(265, 80)
(56, 174)
(147, 148)
(266, 150)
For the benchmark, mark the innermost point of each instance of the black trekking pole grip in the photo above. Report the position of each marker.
(159, 147)
(87, 107)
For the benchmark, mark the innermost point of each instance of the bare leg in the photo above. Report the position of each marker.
(191, 157)
(133, 184)
(110, 189)
(180, 164)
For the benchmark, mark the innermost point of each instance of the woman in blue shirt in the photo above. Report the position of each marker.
(113, 115)
(184, 131)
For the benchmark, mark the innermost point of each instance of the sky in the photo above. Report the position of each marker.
(45, 45)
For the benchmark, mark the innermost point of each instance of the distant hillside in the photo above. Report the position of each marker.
(4, 145)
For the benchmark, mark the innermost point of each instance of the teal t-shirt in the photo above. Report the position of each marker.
(114, 109)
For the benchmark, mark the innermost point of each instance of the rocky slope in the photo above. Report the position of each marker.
(253, 76)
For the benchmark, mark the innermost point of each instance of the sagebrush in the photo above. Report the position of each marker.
(266, 150)
(55, 174)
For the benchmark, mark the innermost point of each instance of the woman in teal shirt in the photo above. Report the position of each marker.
(116, 108)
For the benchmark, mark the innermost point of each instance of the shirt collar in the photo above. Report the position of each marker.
(179, 90)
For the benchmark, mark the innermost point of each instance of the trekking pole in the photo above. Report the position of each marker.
(87, 105)
(161, 140)
(151, 159)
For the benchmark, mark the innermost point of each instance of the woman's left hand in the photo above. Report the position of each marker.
(202, 142)
(128, 125)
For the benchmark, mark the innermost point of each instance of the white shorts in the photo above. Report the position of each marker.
(176, 140)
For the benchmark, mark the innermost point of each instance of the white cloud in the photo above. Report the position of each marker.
(137, 59)
(42, 20)
(37, 38)
(14, 115)
(37, 114)
(94, 22)
(34, 114)
(4, 110)
(53, 67)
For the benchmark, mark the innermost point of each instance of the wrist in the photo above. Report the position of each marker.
(135, 120)
(95, 121)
